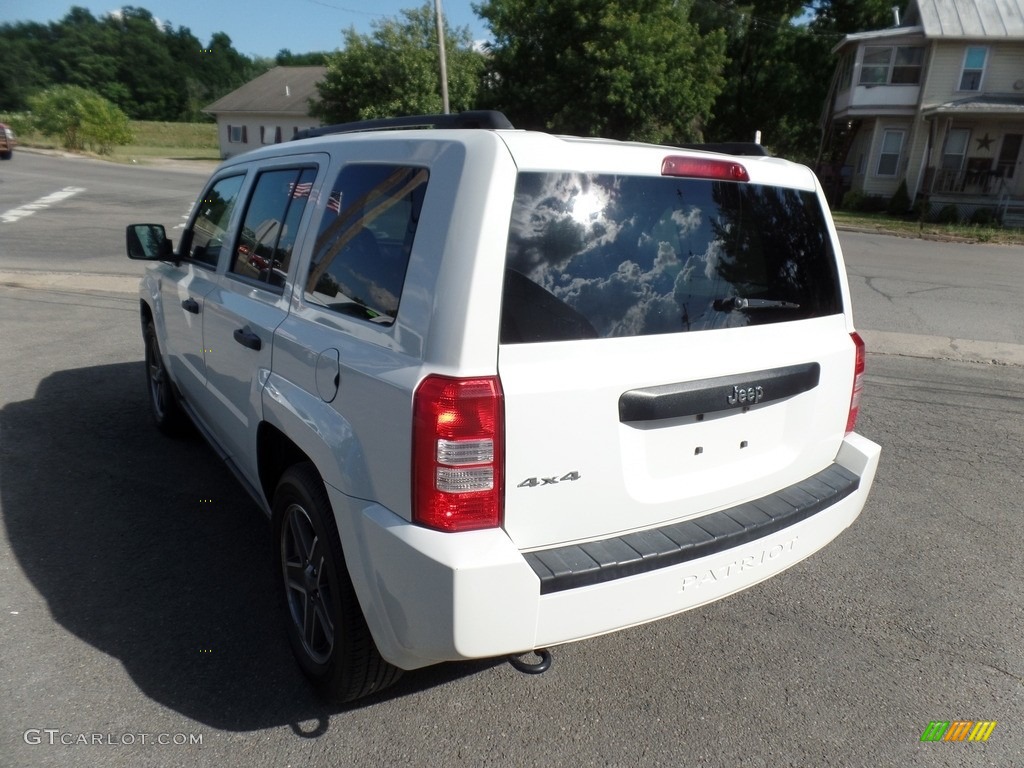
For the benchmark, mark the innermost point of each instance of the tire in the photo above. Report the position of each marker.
(6, 155)
(163, 402)
(325, 624)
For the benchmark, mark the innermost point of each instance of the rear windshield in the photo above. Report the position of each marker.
(596, 256)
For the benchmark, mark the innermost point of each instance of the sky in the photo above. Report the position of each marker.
(256, 27)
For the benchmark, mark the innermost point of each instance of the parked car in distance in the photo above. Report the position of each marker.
(7, 142)
(499, 390)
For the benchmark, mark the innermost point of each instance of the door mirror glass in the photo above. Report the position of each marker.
(148, 242)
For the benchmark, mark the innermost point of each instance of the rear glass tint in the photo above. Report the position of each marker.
(597, 256)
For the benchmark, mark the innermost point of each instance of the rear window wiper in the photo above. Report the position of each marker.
(736, 302)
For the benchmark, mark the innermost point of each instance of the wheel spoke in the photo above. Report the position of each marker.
(309, 613)
(325, 620)
(293, 576)
(301, 535)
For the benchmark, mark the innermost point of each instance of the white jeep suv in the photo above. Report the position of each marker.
(501, 390)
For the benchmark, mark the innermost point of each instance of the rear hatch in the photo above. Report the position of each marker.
(672, 342)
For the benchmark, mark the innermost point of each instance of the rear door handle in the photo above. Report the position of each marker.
(190, 305)
(247, 338)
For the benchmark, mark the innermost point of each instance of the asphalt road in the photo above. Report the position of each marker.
(133, 611)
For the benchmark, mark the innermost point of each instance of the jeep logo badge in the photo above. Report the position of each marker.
(745, 395)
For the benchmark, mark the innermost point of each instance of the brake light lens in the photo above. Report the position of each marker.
(704, 168)
(858, 381)
(457, 453)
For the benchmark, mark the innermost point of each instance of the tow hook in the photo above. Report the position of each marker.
(532, 668)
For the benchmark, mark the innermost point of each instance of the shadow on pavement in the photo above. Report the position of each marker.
(147, 549)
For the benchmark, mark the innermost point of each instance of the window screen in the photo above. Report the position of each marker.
(593, 256)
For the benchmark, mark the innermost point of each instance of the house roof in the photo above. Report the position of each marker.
(1008, 105)
(280, 90)
(953, 19)
(968, 18)
(878, 34)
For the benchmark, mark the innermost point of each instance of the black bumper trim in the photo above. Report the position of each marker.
(580, 565)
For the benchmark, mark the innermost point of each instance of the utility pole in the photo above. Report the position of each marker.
(440, 52)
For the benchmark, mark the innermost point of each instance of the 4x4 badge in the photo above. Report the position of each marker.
(533, 482)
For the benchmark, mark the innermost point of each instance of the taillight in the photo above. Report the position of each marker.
(858, 381)
(457, 453)
(704, 168)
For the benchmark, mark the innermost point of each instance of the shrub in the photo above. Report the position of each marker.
(985, 217)
(948, 214)
(861, 203)
(899, 203)
(852, 201)
(79, 118)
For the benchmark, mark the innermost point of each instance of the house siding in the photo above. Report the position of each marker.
(252, 122)
(885, 186)
(1003, 68)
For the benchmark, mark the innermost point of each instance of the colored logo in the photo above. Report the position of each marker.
(958, 730)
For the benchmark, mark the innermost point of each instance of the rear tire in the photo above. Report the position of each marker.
(163, 402)
(325, 624)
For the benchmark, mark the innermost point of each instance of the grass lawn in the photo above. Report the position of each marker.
(153, 140)
(967, 233)
(179, 141)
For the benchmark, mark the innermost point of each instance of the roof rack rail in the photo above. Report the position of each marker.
(748, 148)
(479, 118)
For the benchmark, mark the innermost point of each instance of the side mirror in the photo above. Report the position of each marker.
(148, 242)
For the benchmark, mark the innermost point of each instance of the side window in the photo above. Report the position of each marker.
(363, 246)
(271, 224)
(209, 228)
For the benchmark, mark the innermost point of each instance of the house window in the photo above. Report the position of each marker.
(237, 134)
(269, 134)
(874, 68)
(888, 65)
(906, 69)
(889, 157)
(974, 68)
(846, 72)
(956, 148)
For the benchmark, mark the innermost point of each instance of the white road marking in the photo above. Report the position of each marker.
(185, 217)
(13, 215)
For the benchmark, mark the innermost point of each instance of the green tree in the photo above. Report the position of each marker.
(842, 17)
(150, 71)
(780, 66)
(624, 69)
(24, 66)
(285, 58)
(767, 86)
(394, 70)
(80, 118)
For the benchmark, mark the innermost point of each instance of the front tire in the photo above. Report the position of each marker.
(325, 624)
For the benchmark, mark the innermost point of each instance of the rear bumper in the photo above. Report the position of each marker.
(431, 597)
